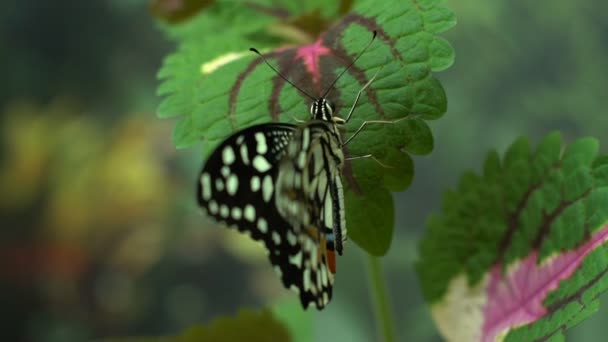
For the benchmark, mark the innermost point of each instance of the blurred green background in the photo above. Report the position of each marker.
(101, 235)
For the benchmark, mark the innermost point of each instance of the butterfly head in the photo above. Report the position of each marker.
(322, 109)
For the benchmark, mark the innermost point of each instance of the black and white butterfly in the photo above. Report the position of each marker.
(280, 183)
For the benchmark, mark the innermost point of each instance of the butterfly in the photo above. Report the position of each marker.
(280, 183)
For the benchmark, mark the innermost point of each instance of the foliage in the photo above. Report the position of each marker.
(521, 243)
(100, 232)
(211, 105)
(79, 196)
(247, 325)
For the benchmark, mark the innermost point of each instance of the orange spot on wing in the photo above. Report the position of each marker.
(331, 261)
(330, 256)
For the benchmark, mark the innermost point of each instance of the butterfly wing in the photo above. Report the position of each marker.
(309, 197)
(237, 187)
(236, 184)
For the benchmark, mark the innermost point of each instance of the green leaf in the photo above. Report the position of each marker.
(200, 19)
(300, 323)
(247, 325)
(400, 170)
(183, 133)
(176, 12)
(216, 86)
(375, 213)
(520, 252)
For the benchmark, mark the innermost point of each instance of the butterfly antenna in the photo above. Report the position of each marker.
(280, 75)
(351, 64)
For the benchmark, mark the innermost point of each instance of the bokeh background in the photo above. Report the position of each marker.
(101, 236)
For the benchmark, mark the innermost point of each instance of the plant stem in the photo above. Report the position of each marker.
(382, 307)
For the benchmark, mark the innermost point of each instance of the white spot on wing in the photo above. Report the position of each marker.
(313, 288)
(262, 225)
(244, 154)
(224, 211)
(322, 186)
(324, 276)
(276, 238)
(302, 159)
(255, 183)
(206, 186)
(228, 155)
(219, 184)
(309, 245)
(328, 212)
(306, 279)
(296, 259)
(225, 171)
(249, 213)
(261, 164)
(292, 238)
(261, 146)
(232, 184)
(305, 138)
(314, 257)
(267, 188)
(237, 213)
(213, 208)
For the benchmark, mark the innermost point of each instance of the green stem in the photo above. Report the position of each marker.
(382, 307)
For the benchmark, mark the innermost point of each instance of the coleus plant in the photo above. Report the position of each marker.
(518, 252)
(534, 214)
(216, 86)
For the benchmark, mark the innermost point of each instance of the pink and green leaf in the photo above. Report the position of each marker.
(520, 253)
(214, 86)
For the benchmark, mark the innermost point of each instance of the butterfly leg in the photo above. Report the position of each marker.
(365, 123)
(298, 120)
(370, 156)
